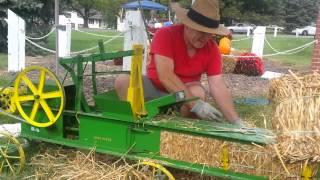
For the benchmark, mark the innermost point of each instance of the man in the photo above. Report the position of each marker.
(180, 54)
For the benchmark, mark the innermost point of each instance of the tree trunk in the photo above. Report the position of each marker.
(85, 22)
(86, 17)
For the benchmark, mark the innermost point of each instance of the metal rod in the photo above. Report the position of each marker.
(56, 8)
(13, 116)
(144, 21)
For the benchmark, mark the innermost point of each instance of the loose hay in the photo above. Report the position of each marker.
(72, 164)
(296, 103)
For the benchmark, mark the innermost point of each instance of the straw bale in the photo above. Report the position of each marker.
(228, 64)
(249, 159)
(296, 104)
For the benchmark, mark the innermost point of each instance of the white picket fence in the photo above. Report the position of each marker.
(134, 32)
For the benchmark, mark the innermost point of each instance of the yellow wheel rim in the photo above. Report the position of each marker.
(38, 96)
(156, 171)
(12, 158)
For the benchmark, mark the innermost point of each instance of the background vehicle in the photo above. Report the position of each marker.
(241, 28)
(306, 31)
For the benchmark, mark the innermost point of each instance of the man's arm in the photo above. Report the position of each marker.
(167, 77)
(222, 96)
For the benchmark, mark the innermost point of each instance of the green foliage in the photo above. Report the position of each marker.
(38, 15)
(288, 13)
(85, 8)
(4, 5)
(111, 10)
(300, 12)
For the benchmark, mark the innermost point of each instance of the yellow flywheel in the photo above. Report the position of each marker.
(12, 158)
(150, 170)
(50, 100)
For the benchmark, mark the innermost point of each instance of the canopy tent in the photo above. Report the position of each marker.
(145, 4)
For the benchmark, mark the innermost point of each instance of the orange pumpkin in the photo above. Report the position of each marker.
(225, 46)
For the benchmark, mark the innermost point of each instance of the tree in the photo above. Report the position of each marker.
(86, 8)
(110, 10)
(300, 12)
(38, 15)
(4, 5)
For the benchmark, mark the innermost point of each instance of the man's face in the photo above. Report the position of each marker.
(195, 38)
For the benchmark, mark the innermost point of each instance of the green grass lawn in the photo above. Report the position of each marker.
(81, 41)
(281, 43)
(3, 61)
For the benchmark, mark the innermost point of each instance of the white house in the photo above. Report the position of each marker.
(95, 21)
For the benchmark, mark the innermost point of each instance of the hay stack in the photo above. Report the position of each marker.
(228, 64)
(296, 102)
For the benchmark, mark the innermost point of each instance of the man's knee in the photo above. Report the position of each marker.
(121, 85)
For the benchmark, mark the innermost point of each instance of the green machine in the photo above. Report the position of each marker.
(59, 113)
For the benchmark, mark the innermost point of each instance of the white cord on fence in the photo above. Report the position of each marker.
(95, 47)
(99, 35)
(42, 36)
(270, 45)
(290, 51)
(41, 47)
(237, 40)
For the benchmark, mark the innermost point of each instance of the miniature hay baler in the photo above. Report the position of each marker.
(59, 113)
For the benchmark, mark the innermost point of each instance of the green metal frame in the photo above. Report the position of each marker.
(111, 128)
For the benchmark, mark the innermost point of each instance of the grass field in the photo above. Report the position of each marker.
(3, 61)
(281, 43)
(81, 41)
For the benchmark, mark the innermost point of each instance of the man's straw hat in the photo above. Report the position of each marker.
(203, 16)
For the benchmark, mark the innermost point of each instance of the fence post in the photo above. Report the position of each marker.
(258, 40)
(248, 31)
(64, 36)
(135, 33)
(275, 31)
(16, 42)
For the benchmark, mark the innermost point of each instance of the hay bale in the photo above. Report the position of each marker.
(228, 64)
(249, 159)
(296, 103)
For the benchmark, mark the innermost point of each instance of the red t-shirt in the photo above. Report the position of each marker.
(169, 42)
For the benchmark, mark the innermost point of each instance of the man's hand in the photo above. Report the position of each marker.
(207, 112)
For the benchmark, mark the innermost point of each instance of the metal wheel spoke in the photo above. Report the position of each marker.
(14, 157)
(25, 98)
(9, 165)
(34, 109)
(6, 159)
(42, 78)
(53, 94)
(6, 147)
(47, 109)
(2, 165)
(29, 83)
